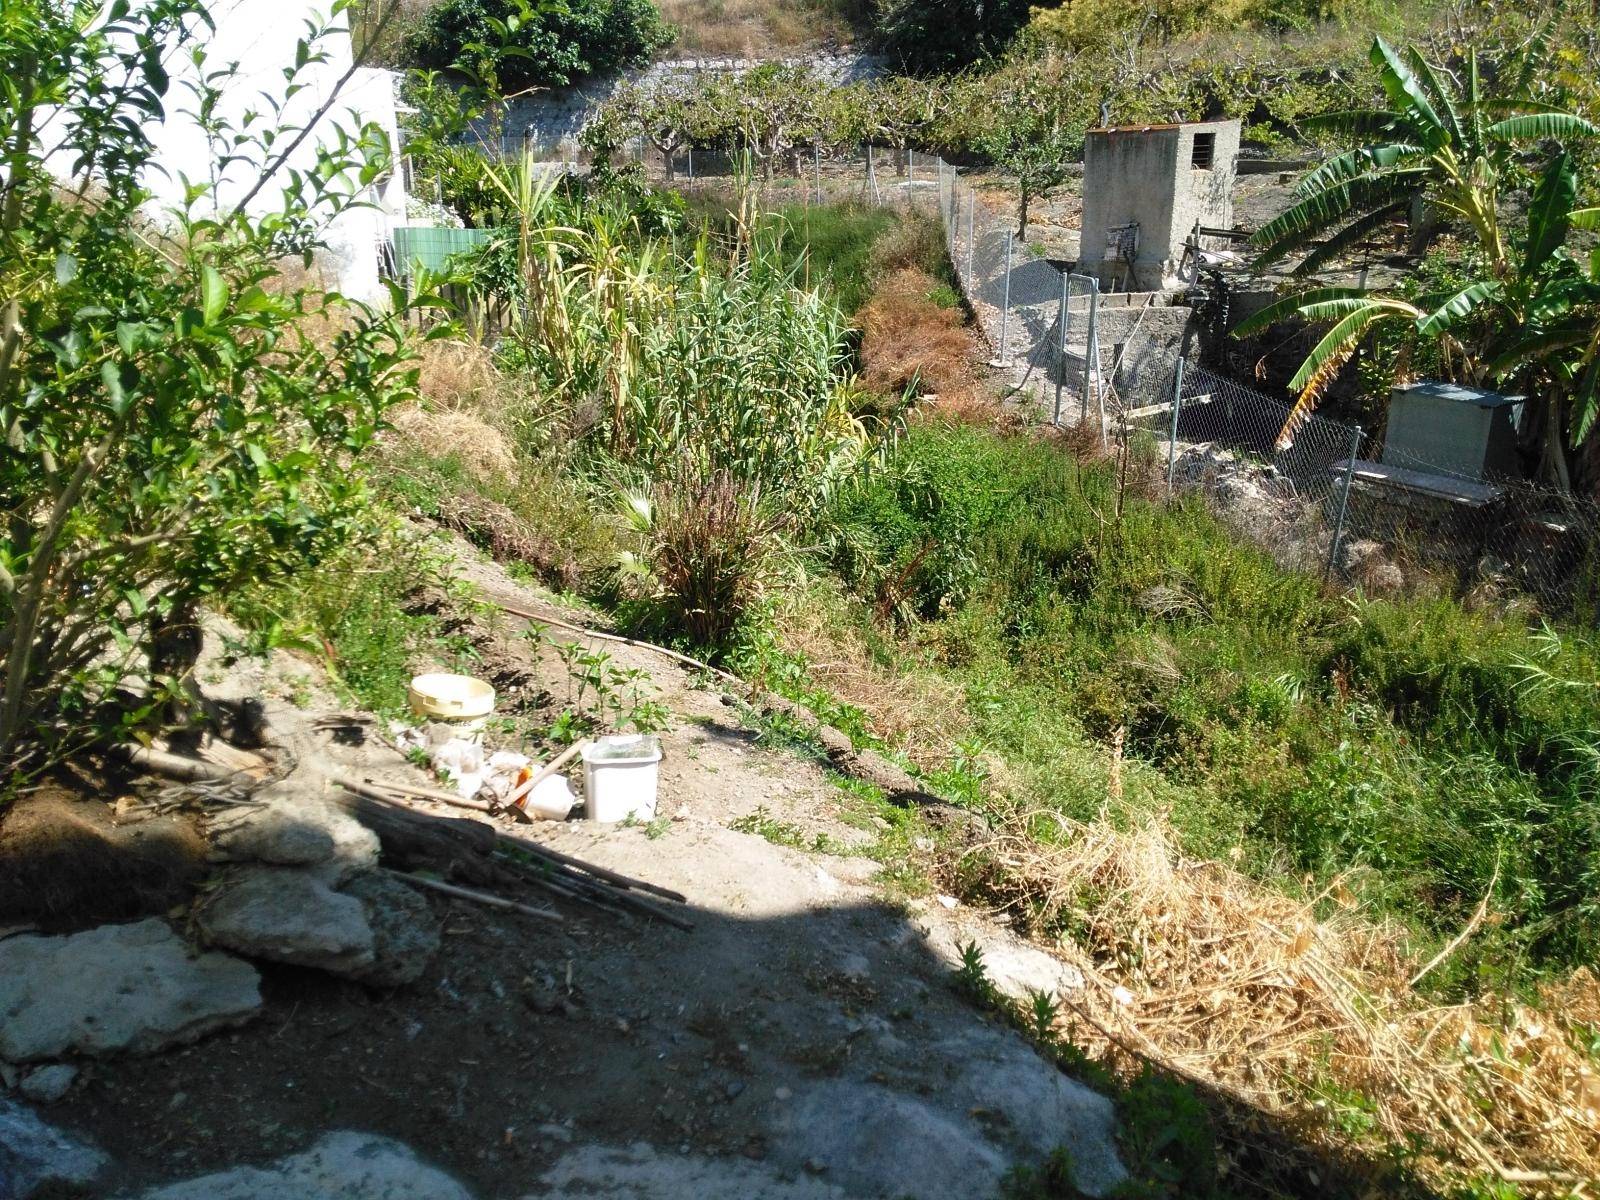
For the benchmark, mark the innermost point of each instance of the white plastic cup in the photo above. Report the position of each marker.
(620, 774)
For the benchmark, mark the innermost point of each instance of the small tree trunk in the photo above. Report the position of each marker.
(1023, 196)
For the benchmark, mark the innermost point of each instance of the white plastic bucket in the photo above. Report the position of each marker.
(442, 697)
(619, 777)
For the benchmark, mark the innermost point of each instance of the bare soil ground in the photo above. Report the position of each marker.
(794, 1043)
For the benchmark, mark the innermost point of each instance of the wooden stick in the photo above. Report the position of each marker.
(176, 766)
(595, 891)
(407, 789)
(461, 893)
(609, 876)
(520, 796)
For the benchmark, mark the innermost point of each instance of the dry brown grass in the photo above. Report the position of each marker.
(1283, 1008)
(741, 28)
(922, 713)
(909, 341)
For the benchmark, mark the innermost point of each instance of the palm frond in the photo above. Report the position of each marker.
(1405, 93)
(1537, 126)
(1289, 305)
(1327, 359)
(1440, 93)
(1550, 214)
(1349, 236)
(1458, 306)
(1332, 206)
(1530, 347)
(1353, 164)
(1348, 332)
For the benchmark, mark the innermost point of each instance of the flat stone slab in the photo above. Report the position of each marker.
(339, 1166)
(641, 1172)
(37, 1159)
(288, 916)
(118, 989)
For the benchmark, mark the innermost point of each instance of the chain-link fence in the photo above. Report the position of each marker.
(1326, 496)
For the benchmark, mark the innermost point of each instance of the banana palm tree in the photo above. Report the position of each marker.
(1449, 148)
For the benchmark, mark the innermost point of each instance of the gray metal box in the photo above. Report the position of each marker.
(1449, 429)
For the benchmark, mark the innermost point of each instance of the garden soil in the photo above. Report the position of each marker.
(803, 1040)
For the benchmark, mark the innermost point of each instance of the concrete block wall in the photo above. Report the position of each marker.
(1145, 175)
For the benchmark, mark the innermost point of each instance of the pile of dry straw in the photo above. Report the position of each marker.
(1247, 993)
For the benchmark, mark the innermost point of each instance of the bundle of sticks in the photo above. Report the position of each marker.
(481, 853)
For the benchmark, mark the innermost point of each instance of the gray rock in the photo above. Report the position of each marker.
(38, 1159)
(339, 1166)
(881, 1142)
(640, 1172)
(405, 934)
(872, 767)
(299, 800)
(116, 989)
(835, 743)
(289, 916)
(276, 834)
(46, 1085)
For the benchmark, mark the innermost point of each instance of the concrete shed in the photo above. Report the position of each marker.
(1144, 189)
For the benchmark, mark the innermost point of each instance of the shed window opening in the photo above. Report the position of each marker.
(1205, 150)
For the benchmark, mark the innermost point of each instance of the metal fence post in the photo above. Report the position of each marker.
(1002, 354)
(1061, 348)
(691, 169)
(1344, 502)
(816, 171)
(1172, 442)
(911, 165)
(1091, 357)
(872, 174)
(972, 234)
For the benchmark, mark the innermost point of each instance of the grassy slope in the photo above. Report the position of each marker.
(1409, 743)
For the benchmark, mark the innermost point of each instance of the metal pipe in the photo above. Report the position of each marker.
(1344, 502)
(1172, 441)
(1003, 356)
(1061, 348)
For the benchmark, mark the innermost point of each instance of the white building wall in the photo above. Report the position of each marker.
(261, 36)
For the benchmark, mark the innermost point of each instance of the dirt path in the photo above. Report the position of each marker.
(802, 1041)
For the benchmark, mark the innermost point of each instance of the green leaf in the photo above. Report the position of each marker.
(1344, 333)
(1406, 94)
(1550, 214)
(1458, 306)
(1355, 163)
(111, 377)
(136, 601)
(213, 294)
(1291, 306)
(1584, 218)
(1538, 126)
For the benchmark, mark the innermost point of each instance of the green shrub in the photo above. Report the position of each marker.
(1437, 754)
(180, 419)
(543, 45)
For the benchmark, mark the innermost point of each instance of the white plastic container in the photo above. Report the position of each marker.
(619, 777)
(451, 697)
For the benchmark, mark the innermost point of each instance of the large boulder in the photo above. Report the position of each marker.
(373, 928)
(405, 933)
(116, 989)
(339, 1166)
(37, 1159)
(288, 916)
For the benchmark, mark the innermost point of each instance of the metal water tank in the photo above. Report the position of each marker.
(1449, 429)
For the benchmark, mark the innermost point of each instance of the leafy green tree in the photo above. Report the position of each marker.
(550, 43)
(1451, 153)
(178, 421)
(931, 36)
